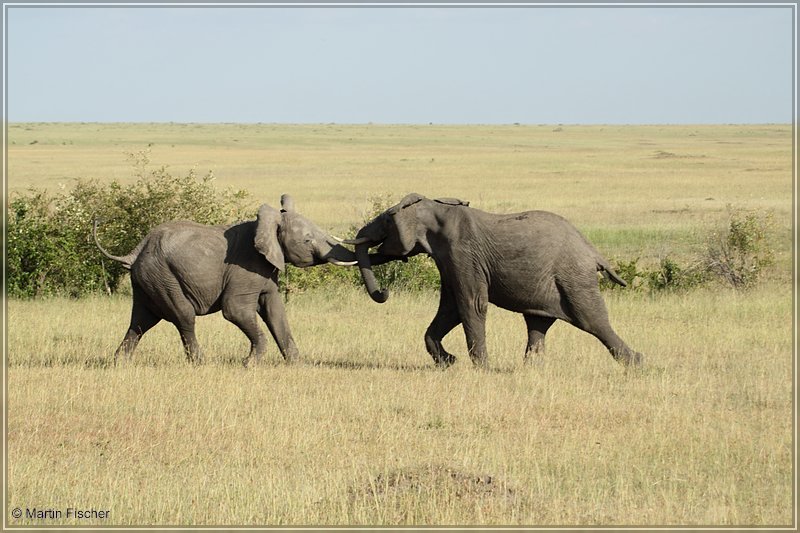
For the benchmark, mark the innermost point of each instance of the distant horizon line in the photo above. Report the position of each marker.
(373, 123)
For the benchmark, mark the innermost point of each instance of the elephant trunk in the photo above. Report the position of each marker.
(371, 284)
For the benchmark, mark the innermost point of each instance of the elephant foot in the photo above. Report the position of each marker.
(291, 355)
(444, 361)
(636, 359)
(629, 358)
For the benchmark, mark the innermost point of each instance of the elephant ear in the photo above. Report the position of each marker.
(451, 201)
(410, 199)
(266, 240)
(287, 203)
(405, 222)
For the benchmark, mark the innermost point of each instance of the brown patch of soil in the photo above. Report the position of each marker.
(440, 479)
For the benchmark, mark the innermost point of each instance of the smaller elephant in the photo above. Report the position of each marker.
(535, 263)
(183, 269)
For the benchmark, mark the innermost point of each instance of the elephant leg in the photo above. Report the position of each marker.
(191, 346)
(176, 308)
(443, 323)
(591, 315)
(142, 319)
(473, 309)
(273, 313)
(243, 315)
(620, 351)
(537, 329)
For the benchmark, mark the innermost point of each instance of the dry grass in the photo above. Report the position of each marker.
(365, 430)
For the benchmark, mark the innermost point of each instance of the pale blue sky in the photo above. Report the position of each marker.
(534, 64)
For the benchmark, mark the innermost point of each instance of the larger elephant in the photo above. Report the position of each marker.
(182, 270)
(535, 263)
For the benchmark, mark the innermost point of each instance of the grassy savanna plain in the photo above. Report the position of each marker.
(365, 430)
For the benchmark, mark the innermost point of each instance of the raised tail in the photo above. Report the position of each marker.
(126, 260)
(608, 272)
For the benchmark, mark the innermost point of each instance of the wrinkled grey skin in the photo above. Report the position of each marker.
(182, 270)
(535, 263)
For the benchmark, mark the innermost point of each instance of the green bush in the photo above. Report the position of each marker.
(49, 247)
(297, 280)
(50, 250)
(671, 276)
(668, 275)
(739, 253)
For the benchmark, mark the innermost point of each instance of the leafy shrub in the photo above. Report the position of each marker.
(49, 245)
(740, 252)
(47, 248)
(419, 273)
(736, 254)
(297, 280)
(671, 276)
(50, 250)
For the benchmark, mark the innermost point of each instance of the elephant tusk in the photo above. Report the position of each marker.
(342, 263)
(337, 239)
(360, 240)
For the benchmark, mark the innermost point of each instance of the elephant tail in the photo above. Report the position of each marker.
(605, 268)
(126, 260)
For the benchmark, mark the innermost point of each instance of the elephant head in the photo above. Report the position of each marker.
(286, 235)
(399, 232)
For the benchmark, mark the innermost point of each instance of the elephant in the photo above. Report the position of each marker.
(535, 263)
(183, 269)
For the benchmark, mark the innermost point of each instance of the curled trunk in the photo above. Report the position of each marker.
(371, 284)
